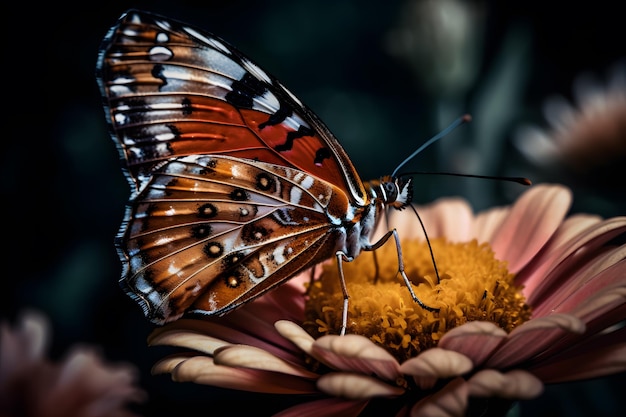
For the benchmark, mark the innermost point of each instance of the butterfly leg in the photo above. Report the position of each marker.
(341, 257)
(396, 238)
(376, 267)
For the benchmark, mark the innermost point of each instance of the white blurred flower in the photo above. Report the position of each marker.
(441, 40)
(586, 138)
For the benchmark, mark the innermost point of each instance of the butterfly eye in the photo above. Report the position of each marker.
(391, 191)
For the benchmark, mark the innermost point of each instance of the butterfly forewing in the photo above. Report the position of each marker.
(173, 90)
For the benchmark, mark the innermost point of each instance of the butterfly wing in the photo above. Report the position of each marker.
(173, 90)
(208, 232)
(198, 126)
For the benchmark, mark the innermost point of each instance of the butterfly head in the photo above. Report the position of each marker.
(393, 192)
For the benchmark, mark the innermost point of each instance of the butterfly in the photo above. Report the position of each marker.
(236, 184)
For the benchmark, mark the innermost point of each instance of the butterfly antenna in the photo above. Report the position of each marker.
(519, 180)
(463, 119)
(430, 248)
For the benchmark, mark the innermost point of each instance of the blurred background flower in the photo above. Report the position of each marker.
(584, 143)
(80, 385)
(64, 192)
(441, 42)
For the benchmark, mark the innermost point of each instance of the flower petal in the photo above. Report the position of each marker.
(536, 336)
(598, 356)
(355, 386)
(434, 364)
(328, 407)
(356, 353)
(83, 385)
(476, 340)
(217, 334)
(515, 385)
(553, 251)
(187, 339)
(284, 302)
(202, 370)
(603, 270)
(533, 220)
(244, 356)
(535, 144)
(452, 218)
(450, 401)
(539, 277)
(296, 335)
(487, 223)
(597, 309)
(24, 344)
(445, 217)
(169, 363)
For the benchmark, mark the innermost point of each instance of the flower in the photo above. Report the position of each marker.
(442, 43)
(589, 140)
(80, 386)
(568, 270)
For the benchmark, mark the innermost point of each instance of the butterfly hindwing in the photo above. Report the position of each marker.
(213, 231)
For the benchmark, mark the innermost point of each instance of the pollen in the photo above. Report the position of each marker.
(473, 285)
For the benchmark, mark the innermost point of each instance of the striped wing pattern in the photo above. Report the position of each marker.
(236, 184)
(209, 233)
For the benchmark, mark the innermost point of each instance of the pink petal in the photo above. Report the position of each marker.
(328, 407)
(598, 312)
(446, 217)
(434, 364)
(356, 353)
(453, 219)
(599, 304)
(553, 252)
(573, 268)
(84, 369)
(284, 302)
(603, 309)
(602, 355)
(534, 337)
(543, 272)
(23, 345)
(602, 271)
(514, 385)
(476, 340)
(243, 356)
(450, 401)
(202, 370)
(533, 219)
(487, 223)
(85, 385)
(256, 319)
(356, 387)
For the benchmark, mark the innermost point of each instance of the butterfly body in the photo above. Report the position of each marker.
(237, 186)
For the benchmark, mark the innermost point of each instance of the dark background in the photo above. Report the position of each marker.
(63, 191)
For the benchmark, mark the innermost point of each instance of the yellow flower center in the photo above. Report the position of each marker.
(473, 286)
